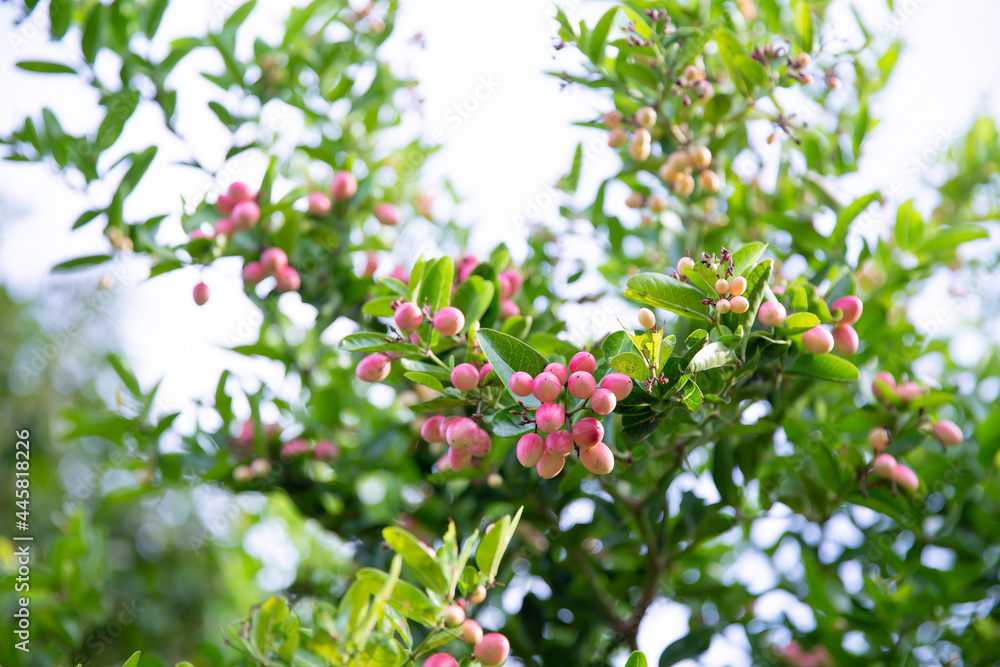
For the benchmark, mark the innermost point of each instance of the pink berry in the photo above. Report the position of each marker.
(440, 660)
(459, 459)
(739, 304)
(246, 214)
(771, 314)
(907, 391)
(408, 316)
(400, 274)
(324, 450)
(619, 384)
(514, 279)
(723, 306)
(530, 449)
(884, 465)
(905, 477)
(684, 263)
(449, 321)
(444, 426)
(484, 371)
(224, 227)
(453, 615)
(482, 446)
(387, 214)
(224, 204)
(201, 294)
(373, 368)
(598, 459)
(288, 280)
(253, 273)
(466, 267)
(344, 185)
(850, 307)
(371, 263)
(549, 417)
(583, 361)
(818, 340)
(462, 433)
(721, 285)
(603, 402)
(444, 462)
(293, 448)
(200, 234)
(582, 385)
(319, 205)
(521, 384)
(885, 377)
(549, 466)
(547, 387)
(431, 429)
(240, 192)
(493, 650)
(509, 309)
(588, 432)
(737, 286)
(465, 377)
(559, 371)
(947, 432)
(845, 339)
(274, 260)
(559, 443)
(472, 632)
(878, 438)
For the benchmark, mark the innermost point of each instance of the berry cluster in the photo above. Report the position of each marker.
(729, 289)
(491, 650)
(242, 447)
(843, 339)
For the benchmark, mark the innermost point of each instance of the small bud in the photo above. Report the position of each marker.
(479, 594)
(692, 74)
(818, 340)
(598, 459)
(293, 448)
(387, 214)
(802, 60)
(549, 417)
(201, 294)
(242, 474)
(530, 449)
(657, 203)
(324, 450)
(647, 320)
(260, 467)
(635, 200)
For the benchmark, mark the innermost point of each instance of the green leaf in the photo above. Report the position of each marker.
(45, 67)
(373, 342)
(797, 323)
(86, 217)
(636, 660)
(848, 214)
(473, 297)
(631, 364)
(120, 108)
(616, 343)
(239, 16)
(689, 646)
(803, 27)
(909, 225)
(660, 291)
(133, 660)
(823, 367)
(426, 380)
(712, 355)
(595, 49)
(380, 306)
(746, 257)
(988, 436)
(949, 237)
(509, 355)
(503, 424)
(691, 396)
(127, 377)
(757, 285)
(80, 263)
(444, 403)
(435, 288)
(424, 568)
(494, 544)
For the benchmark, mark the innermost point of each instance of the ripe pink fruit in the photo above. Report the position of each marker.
(201, 294)
(721, 285)
(850, 307)
(253, 273)
(907, 391)
(547, 387)
(482, 446)
(408, 316)
(884, 465)
(818, 340)
(459, 459)
(472, 632)
(324, 450)
(619, 384)
(493, 650)
(739, 304)
(737, 286)
(905, 477)
(582, 385)
(598, 459)
(549, 417)
(559, 443)
(588, 432)
(509, 309)
(549, 466)
(293, 448)
(431, 429)
(373, 368)
(484, 371)
(462, 433)
(530, 449)
(559, 371)
(246, 214)
(371, 264)
(845, 339)
(723, 306)
(771, 314)
(510, 283)
(288, 280)
(885, 377)
(466, 267)
(274, 260)
(603, 402)
(449, 321)
(453, 615)
(319, 205)
(344, 185)
(440, 660)
(521, 384)
(224, 227)
(387, 214)
(710, 180)
(947, 432)
(582, 361)
(465, 377)
(224, 205)
(240, 192)
(444, 426)
(878, 438)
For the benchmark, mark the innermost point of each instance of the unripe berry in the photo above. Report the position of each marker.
(884, 465)
(440, 660)
(449, 321)
(947, 432)
(771, 314)
(684, 263)
(459, 459)
(850, 307)
(431, 429)
(845, 339)
(319, 205)
(739, 304)
(510, 283)
(288, 280)
(242, 474)
(905, 477)
(678, 161)
(582, 385)
(274, 260)
(253, 273)
(692, 74)
(462, 433)
(493, 650)
(722, 286)
(878, 438)
(559, 371)
(224, 227)
(737, 286)
(907, 391)
(224, 204)
(344, 185)
(549, 466)
(549, 417)
(639, 149)
(387, 214)
(482, 446)
(818, 340)
(885, 377)
(619, 384)
(657, 204)
(465, 377)
(453, 615)
(588, 432)
(559, 443)
(484, 371)
(700, 157)
(802, 60)
(530, 449)
(521, 384)
(246, 214)
(613, 119)
(200, 294)
(710, 181)
(603, 402)
(647, 320)
(635, 200)
(373, 368)
(547, 387)
(509, 309)
(645, 117)
(240, 192)
(408, 316)
(479, 594)
(582, 361)
(472, 632)
(260, 467)
(598, 459)
(617, 137)
(723, 306)
(683, 184)
(324, 450)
